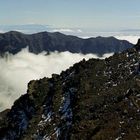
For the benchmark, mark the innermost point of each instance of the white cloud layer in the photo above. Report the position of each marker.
(17, 70)
(131, 38)
(65, 30)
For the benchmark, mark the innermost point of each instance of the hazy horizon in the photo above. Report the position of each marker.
(129, 35)
(96, 15)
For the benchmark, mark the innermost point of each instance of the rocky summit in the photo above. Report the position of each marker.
(92, 100)
(14, 41)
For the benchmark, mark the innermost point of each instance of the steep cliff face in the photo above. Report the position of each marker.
(13, 42)
(95, 99)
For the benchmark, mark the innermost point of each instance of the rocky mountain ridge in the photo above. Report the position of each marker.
(94, 99)
(14, 41)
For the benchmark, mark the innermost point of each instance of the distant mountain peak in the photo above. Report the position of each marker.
(14, 41)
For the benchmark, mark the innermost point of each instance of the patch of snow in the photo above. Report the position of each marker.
(57, 131)
(65, 109)
(114, 85)
(24, 121)
(45, 119)
(127, 55)
(138, 95)
(121, 122)
(46, 137)
(118, 138)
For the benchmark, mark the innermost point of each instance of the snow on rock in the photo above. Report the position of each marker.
(45, 119)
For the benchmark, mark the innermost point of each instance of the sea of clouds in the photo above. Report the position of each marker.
(17, 70)
(131, 38)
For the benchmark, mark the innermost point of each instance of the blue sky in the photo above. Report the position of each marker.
(95, 14)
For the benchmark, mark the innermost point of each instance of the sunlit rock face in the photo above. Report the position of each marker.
(94, 99)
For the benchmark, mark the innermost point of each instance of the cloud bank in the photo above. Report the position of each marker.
(131, 38)
(17, 70)
(68, 31)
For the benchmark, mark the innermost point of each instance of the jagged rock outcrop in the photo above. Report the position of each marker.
(94, 99)
(13, 42)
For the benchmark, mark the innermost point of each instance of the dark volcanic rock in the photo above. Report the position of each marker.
(138, 45)
(95, 99)
(13, 42)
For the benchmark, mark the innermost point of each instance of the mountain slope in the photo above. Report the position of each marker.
(95, 99)
(13, 42)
